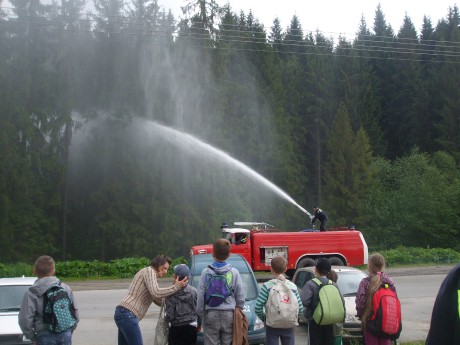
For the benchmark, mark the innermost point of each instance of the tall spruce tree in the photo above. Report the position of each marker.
(408, 105)
(337, 168)
(448, 105)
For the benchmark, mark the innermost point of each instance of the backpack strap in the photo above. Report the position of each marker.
(315, 300)
(319, 283)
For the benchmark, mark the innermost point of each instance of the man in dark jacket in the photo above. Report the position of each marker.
(321, 216)
(180, 311)
(445, 319)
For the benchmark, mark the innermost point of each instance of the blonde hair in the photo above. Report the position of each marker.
(375, 265)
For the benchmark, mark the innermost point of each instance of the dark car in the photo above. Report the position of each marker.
(12, 291)
(256, 332)
(348, 282)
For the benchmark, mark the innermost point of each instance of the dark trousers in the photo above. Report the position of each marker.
(322, 226)
(182, 335)
(320, 335)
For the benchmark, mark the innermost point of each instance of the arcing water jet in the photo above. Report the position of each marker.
(187, 141)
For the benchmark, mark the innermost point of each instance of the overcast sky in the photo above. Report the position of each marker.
(333, 16)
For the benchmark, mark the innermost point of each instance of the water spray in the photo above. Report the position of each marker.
(178, 138)
(303, 210)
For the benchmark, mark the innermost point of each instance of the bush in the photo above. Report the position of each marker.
(407, 255)
(15, 270)
(121, 268)
(128, 267)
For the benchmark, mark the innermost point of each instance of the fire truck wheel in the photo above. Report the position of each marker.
(335, 261)
(306, 262)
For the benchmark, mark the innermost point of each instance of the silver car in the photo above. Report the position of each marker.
(348, 282)
(12, 291)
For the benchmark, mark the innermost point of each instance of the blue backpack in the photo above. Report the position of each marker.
(218, 287)
(58, 309)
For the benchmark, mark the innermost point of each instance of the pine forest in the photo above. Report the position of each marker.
(128, 131)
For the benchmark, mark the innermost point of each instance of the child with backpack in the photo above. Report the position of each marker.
(180, 311)
(48, 313)
(380, 328)
(220, 291)
(323, 304)
(279, 305)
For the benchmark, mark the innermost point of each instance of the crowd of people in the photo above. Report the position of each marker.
(216, 306)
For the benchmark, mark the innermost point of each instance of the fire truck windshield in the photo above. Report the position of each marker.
(227, 236)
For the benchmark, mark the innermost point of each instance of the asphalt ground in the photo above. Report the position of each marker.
(116, 284)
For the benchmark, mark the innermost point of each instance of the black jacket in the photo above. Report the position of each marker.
(445, 319)
(320, 215)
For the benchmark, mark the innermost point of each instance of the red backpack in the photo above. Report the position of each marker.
(385, 321)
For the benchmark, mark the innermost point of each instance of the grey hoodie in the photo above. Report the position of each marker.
(237, 299)
(31, 313)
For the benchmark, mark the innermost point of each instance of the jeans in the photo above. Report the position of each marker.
(273, 335)
(218, 327)
(50, 338)
(129, 332)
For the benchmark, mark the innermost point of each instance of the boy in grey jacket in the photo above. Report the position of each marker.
(180, 311)
(31, 313)
(218, 319)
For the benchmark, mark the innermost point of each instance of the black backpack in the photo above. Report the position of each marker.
(58, 309)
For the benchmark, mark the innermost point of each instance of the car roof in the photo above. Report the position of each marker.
(201, 261)
(17, 281)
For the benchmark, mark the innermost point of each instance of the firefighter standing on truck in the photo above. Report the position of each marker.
(321, 216)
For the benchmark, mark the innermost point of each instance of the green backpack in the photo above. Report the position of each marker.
(330, 308)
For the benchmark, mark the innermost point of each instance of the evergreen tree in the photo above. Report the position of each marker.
(204, 13)
(448, 96)
(408, 105)
(276, 36)
(293, 41)
(338, 172)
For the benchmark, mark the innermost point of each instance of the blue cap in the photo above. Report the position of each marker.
(181, 270)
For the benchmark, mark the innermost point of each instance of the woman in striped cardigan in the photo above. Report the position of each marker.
(142, 292)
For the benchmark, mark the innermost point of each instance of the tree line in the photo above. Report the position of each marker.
(367, 128)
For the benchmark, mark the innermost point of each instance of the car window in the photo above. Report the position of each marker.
(250, 287)
(302, 277)
(348, 282)
(11, 297)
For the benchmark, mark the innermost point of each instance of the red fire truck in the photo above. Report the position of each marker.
(258, 245)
